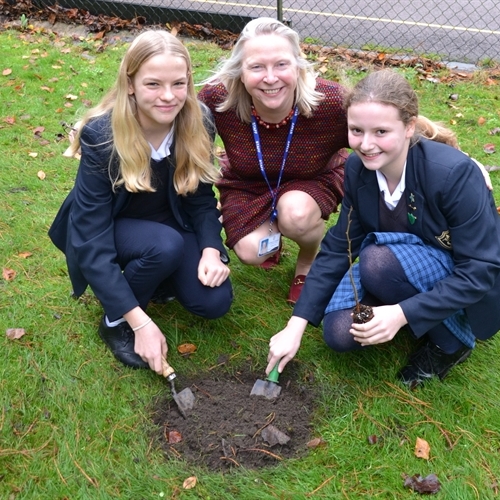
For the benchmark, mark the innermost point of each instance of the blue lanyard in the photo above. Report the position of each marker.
(256, 138)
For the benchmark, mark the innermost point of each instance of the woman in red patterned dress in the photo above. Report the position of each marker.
(284, 133)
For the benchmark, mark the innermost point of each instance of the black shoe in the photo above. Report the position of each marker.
(163, 294)
(120, 339)
(162, 299)
(430, 360)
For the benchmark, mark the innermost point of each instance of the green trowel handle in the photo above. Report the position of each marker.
(274, 374)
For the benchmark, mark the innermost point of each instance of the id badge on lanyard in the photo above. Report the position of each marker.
(271, 243)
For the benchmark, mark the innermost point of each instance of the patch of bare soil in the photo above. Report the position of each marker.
(228, 428)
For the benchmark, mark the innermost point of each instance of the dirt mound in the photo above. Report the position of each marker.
(228, 428)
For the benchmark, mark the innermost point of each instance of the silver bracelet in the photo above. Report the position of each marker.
(142, 326)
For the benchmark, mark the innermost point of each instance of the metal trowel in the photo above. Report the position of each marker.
(184, 399)
(268, 388)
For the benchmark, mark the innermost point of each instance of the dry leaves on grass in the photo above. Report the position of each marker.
(422, 449)
(189, 483)
(186, 349)
(316, 443)
(8, 274)
(15, 333)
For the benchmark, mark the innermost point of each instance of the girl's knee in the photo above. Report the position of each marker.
(336, 326)
(214, 303)
(166, 249)
(334, 343)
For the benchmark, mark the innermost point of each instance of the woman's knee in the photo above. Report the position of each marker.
(299, 218)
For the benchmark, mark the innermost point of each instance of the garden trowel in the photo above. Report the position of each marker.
(268, 388)
(184, 399)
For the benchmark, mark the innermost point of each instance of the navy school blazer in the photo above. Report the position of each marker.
(84, 226)
(453, 210)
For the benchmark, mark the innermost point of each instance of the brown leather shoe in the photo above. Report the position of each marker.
(296, 288)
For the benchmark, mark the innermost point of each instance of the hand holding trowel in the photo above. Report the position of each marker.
(268, 388)
(184, 399)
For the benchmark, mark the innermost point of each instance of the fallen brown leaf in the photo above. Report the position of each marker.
(189, 483)
(316, 442)
(15, 333)
(174, 437)
(186, 348)
(6, 72)
(481, 120)
(24, 255)
(489, 148)
(8, 274)
(41, 175)
(422, 449)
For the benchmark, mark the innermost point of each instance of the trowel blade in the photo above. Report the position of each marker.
(269, 390)
(185, 399)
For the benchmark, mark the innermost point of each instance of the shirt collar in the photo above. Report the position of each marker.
(164, 150)
(391, 200)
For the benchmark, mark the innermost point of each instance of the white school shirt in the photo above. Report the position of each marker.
(164, 149)
(391, 200)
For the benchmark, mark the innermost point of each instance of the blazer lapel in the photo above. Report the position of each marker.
(368, 198)
(415, 202)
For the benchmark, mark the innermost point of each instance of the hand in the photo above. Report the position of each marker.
(284, 345)
(151, 346)
(386, 322)
(211, 271)
(150, 343)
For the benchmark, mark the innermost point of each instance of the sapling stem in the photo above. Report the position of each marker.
(349, 253)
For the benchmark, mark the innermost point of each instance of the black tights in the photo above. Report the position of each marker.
(385, 282)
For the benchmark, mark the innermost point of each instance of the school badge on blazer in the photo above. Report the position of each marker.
(444, 239)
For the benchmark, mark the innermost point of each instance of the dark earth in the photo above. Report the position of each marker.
(227, 428)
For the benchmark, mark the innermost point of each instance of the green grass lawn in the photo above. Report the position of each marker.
(75, 424)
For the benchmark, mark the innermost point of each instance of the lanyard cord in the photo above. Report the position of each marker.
(256, 138)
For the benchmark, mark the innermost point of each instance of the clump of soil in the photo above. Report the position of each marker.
(228, 428)
(361, 313)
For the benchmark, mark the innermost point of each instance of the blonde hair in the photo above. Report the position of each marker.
(230, 71)
(390, 88)
(193, 146)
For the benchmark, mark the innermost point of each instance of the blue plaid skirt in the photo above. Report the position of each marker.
(423, 265)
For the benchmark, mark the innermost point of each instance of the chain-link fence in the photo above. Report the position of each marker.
(453, 30)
